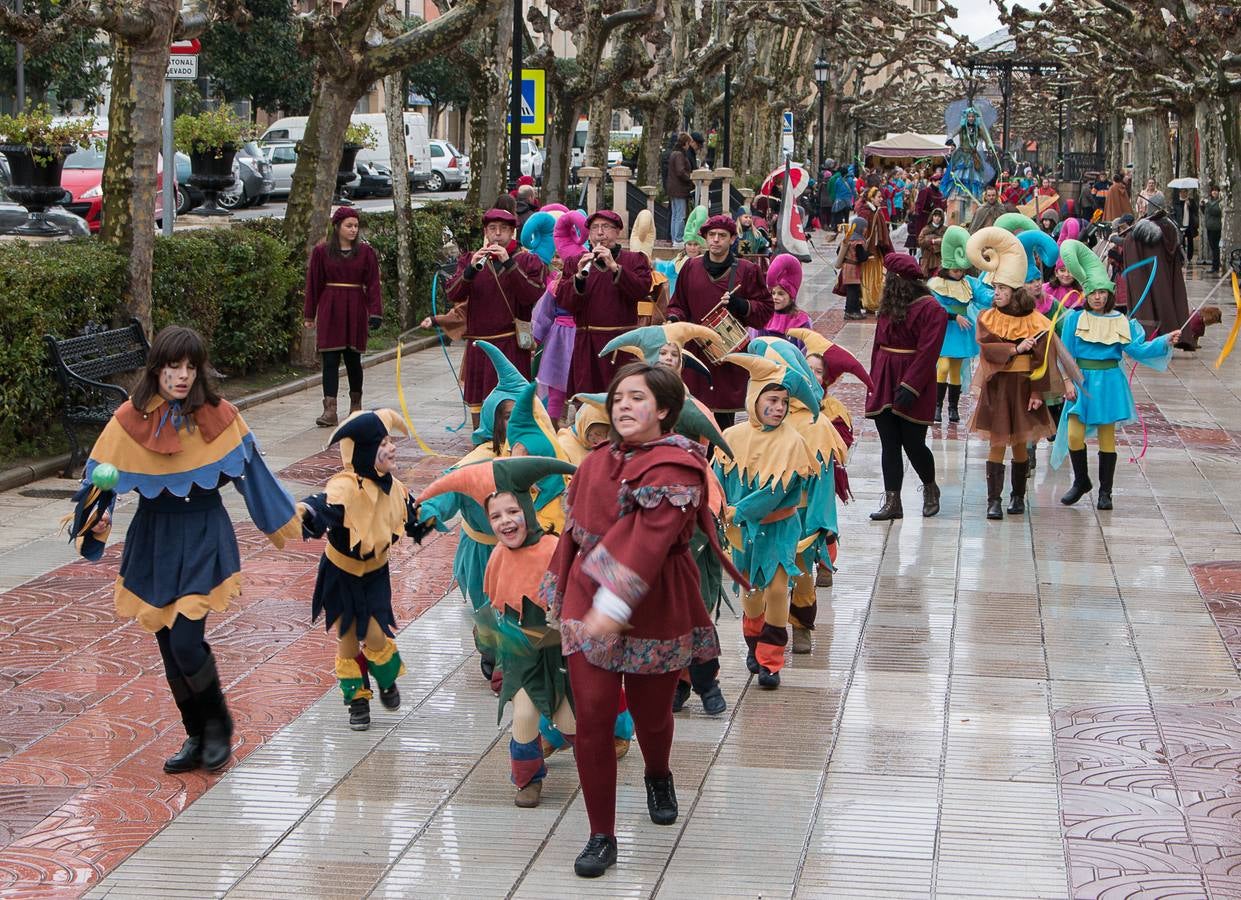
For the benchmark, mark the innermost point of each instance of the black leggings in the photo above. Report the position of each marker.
(182, 646)
(331, 371)
(895, 434)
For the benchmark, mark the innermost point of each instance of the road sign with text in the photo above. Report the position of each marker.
(182, 67)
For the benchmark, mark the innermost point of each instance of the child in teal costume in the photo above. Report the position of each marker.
(963, 297)
(1098, 336)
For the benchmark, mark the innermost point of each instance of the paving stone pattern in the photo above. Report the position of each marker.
(1047, 706)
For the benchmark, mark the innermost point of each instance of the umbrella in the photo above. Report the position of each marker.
(799, 178)
(1187, 184)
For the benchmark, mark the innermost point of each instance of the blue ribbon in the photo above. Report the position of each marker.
(1153, 262)
(171, 413)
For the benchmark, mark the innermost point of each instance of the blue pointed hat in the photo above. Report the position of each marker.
(511, 383)
(1041, 250)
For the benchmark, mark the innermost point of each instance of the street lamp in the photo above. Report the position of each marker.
(820, 78)
(514, 135)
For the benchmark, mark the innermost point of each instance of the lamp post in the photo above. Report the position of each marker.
(514, 138)
(820, 78)
(728, 113)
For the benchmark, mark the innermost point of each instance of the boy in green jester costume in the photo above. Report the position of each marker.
(963, 297)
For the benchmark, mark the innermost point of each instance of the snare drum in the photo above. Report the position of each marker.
(732, 333)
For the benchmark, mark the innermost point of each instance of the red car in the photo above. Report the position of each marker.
(83, 179)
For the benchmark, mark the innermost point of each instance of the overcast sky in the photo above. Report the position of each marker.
(977, 18)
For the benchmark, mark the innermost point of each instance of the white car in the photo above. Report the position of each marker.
(532, 160)
(450, 168)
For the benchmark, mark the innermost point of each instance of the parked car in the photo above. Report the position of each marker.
(532, 160)
(82, 176)
(14, 215)
(293, 128)
(374, 180)
(449, 167)
(282, 157)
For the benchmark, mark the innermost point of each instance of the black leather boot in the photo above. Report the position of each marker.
(891, 508)
(1081, 478)
(930, 500)
(941, 388)
(217, 723)
(954, 401)
(190, 756)
(1107, 471)
(1017, 499)
(995, 488)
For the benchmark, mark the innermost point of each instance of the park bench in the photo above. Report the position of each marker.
(82, 364)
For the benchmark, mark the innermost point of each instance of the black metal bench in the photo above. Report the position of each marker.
(81, 365)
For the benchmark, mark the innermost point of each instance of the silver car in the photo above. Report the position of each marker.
(282, 157)
(450, 168)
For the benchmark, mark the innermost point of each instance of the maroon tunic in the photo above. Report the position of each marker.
(629, 515)
(341, 293)
(905, 353)
(495, 297)
(696, 294)
(607, 306)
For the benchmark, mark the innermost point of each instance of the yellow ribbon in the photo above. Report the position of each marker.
(1236, 325)
(400, 393)
(1051, 333)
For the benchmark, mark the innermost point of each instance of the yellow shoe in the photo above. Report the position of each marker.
(622, 747)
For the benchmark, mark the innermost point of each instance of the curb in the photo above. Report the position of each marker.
(20, 476)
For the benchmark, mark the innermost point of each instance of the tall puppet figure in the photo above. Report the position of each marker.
(968, 167)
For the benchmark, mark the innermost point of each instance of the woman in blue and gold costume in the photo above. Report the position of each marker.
(176, 443)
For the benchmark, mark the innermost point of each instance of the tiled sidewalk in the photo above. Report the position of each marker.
(1046, 706)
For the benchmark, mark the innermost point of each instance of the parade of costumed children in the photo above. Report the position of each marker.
(177, 443)
(527, 650)
(363, 510)
(765, 484)
(963, 296)
(1020, 358)
(1098, 336)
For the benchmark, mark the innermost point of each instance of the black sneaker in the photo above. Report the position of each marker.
(661, 799)
(487, 665)
(596, 857)
(713, 702)
(768, 679)
(751, 661)
(390, 697)
(360, 714)
(681, 695)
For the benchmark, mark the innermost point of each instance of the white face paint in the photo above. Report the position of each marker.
(176, 379)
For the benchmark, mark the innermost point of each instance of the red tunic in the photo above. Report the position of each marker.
(341, 292)
(494, 298)
(696, 294)
(629, 515)
(608, 306)
(905, 353)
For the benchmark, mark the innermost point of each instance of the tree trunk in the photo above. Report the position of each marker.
(318, 159)
(489, 101)
(559, 147)
(394, 101)
(655, 121)
(134, 138)
(1227, 113)
(600, 134)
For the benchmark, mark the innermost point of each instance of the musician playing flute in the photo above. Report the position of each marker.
(720, 277)
(603, 295)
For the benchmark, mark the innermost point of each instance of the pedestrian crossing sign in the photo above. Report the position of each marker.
(533, 102)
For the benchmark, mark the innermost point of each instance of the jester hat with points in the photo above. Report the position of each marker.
(511, 384)
(361, 434)
(646, 341)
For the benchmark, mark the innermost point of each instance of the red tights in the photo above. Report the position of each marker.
(596, 696)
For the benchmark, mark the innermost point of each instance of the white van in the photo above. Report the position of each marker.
(417, 141)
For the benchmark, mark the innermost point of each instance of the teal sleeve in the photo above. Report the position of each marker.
(1156, 354)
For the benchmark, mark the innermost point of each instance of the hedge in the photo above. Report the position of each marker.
(240, 286)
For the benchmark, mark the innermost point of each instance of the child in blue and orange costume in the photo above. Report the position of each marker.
(363, 510)
(177, 443)
(765, 484)
(476, 542)
(819, 541)
(963, 297)
(1098, 336)
(527, 649)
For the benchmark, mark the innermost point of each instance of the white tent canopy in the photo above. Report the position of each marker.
(907, 144)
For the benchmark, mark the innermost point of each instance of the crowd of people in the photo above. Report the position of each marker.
(612, 500)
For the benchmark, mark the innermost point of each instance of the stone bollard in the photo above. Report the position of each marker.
(726, 176)
(748, 194)
(702, 179)
(651, 192)
(620, 193)
(591, 175)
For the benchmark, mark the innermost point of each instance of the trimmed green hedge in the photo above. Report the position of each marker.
(241, 287)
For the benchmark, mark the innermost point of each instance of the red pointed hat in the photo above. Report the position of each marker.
(500, 215)
(903, 266)
(722, 222)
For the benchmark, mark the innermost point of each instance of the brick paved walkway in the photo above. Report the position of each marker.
(1047, 706)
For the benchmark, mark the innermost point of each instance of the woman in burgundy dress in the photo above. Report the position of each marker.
(908, 334)
(343, 300)
(624, 586)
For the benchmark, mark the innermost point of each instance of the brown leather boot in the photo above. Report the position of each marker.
(328, 419)
(891, 508)
(355, 402)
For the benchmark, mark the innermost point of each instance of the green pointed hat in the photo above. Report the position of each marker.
(511, 383)
(646, 341)
(1085, 267)
(697, 218)
(696, 426)
(1015, 223)
(531, 426)
(952, 248)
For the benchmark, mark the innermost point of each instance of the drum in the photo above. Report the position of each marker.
(732, 333)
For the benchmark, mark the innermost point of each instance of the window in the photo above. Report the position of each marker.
(283, 155)
(437, 150)
(280, 134)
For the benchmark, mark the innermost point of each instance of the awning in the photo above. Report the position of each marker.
(906, 145)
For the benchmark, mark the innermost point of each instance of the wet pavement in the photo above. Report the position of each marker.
(1047, 706)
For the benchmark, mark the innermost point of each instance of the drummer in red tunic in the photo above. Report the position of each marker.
(703, 283)
(500, 283)
(603, 297)
(908, 334)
